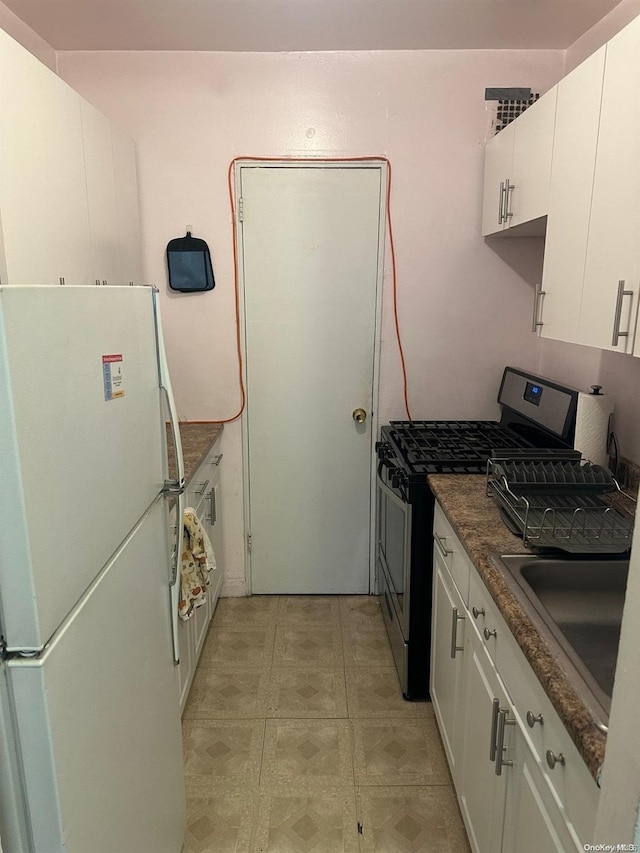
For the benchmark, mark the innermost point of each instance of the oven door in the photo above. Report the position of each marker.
(394, 545)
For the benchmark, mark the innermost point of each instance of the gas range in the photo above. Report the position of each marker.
(537, 416)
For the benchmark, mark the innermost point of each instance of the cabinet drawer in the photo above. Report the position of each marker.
(454, 556)
(197, 490)
(485, 616)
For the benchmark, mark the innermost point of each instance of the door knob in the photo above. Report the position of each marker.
(359, 416)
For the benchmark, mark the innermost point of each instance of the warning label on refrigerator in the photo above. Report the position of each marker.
(112, 375)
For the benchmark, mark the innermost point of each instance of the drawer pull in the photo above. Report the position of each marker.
(477, 612)
(440, 540)
(202, 489)
(211, 517)
(553, 759)
(489, 633)
(494, 729)
(500, 747)
(618, 314)
(216, 460)
(454, 631)
(532, 719)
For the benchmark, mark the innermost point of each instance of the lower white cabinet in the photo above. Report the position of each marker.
(202, 495)
(447, 662)
(481, 791)
(532, 819)
(498, 726)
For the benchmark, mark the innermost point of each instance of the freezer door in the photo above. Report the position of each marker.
(97, 714)
(82, 443)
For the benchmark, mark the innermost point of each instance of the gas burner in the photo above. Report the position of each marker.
(430, 447)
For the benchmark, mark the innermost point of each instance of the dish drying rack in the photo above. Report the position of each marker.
(558, 504)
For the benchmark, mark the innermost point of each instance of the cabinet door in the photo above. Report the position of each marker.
(572, 168)
(498, 164)
(447, 659)
(533, 823)
(481, 791)
(101, 189)
(127, 205)
(613, 250)
(532, 152)
(45, 219)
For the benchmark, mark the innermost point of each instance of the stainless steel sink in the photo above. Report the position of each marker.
(577, 606)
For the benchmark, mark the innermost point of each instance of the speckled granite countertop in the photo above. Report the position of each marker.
(196, 443)
(476, 519)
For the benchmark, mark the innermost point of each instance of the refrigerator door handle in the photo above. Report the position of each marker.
(171, 486)
(174, 584)
(175, 487)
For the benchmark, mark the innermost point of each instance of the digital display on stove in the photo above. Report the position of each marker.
(533, 393)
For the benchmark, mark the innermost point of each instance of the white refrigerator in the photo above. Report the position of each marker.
(90, 735)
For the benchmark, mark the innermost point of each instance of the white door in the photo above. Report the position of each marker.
(311, 242)
(97, 714)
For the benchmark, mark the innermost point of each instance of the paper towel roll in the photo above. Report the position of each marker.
(592, 423)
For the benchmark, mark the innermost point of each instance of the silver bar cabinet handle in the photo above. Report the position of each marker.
(508, 188)
(618, 314)
(536, 323)
(214, 512)
(202, 489)
(440, 540)
(454, 631)
(217, 460)
(500, 747)
(494, 729)
(501, 203)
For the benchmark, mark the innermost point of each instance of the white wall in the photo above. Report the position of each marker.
(618, 374)
(464, 305)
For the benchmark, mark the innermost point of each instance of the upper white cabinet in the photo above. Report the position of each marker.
(612, 270)
(127, 207)
(590, 287)
(498, 164)
(101, 192)
(68, 185)
(43, 191)
(573, 164)
(518, 169)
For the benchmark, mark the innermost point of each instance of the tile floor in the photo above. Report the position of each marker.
(296, 737)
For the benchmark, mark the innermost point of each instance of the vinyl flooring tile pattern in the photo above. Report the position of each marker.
(296, 732)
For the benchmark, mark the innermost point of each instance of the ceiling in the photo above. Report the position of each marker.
(304, 25)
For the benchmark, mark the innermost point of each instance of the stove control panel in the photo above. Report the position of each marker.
(541, 401)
